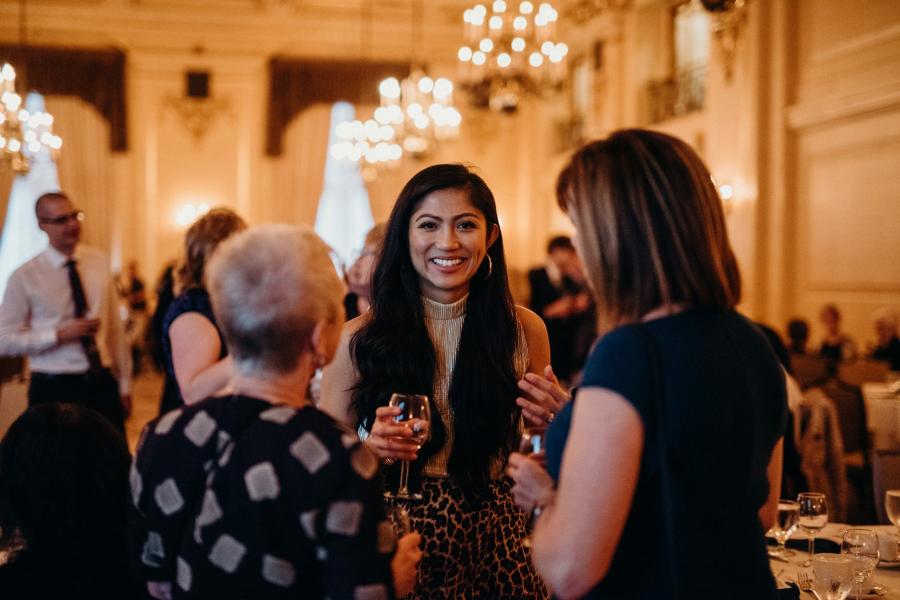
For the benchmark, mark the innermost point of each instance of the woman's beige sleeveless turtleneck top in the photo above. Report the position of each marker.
(445, 323)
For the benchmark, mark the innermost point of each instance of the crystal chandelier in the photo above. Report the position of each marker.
(413, 116)
(509, 53)
(366, 140)
(420, 109)
(22, 134)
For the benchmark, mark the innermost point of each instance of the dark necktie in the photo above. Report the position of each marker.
(87, 342)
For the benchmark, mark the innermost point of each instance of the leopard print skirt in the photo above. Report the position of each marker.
(472, 553)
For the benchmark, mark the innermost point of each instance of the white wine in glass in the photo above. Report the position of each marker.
(788, 519)
(416, 416)
(813, 518)
(892, 507)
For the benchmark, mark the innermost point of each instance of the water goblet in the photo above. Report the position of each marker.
(788, 519)
(416, 416)
(813, 518)
(832, 576)
(892, 507)
(861, 546)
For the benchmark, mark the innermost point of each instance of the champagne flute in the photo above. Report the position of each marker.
(813, 518)
(531, 445)
(788, 519)
(832, 576)
(861, 546)
(416, 416)
(892, 507)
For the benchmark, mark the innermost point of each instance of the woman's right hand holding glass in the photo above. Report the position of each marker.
(533, 486)
(390, 440)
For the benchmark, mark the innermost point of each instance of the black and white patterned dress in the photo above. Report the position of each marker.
(235, 497)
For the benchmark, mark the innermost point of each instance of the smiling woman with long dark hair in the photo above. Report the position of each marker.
(443, 324)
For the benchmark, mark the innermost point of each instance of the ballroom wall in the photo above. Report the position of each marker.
(806, 130)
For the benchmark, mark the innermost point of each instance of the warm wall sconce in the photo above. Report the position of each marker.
(188, 212)
(197, 108)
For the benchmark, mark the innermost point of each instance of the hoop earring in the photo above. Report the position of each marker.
(490, 264)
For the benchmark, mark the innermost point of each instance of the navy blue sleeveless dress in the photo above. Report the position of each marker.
(191, 300)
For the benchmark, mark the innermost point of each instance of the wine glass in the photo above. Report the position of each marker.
(531, 445)
(400, 520)
(416, 416)
(861, 545)
(892, 507)
(813, 517)
(832, 576)
(788, 518)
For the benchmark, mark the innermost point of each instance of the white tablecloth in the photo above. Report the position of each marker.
(882, 415)
(885, 576)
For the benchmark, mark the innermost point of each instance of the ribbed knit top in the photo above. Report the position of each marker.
(445, 323)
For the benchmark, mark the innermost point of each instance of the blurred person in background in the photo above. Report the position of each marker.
(359, 275)
(61, 310)
(836, 345)
(560, 297)
(798, 336)
(63, 506)
(196, 356)
(135, 296)
(887, 346)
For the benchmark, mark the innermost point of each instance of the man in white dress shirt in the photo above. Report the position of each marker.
(60, 309)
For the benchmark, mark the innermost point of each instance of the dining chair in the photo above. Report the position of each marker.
(885, 476)
(809, 370)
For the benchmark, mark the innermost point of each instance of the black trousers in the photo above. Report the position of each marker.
(99, 392)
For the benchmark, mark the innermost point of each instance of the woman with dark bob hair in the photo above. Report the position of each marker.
(443, 324)
(674, 437)
(64, 499)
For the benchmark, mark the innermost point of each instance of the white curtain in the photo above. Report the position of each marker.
(85, 167)
(22, 239)
(344, 214)
(296, 177)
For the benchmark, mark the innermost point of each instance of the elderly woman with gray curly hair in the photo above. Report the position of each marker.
(257, 494)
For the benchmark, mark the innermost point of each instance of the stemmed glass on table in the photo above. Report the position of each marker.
(416, 416)
(832, 576)
(813, 518)
(788, 519)
(531, 445)
(861, 546)
(892, 507)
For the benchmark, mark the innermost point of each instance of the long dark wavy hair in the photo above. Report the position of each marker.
(394, 353)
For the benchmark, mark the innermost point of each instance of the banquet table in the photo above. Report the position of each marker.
(882, 415)
(887, 575)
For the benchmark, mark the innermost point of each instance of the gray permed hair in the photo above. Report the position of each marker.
(269, 287)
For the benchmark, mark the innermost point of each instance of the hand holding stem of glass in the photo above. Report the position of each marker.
(532, 445)
(416, 416)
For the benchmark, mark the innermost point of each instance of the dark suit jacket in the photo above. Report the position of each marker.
(563, 332)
